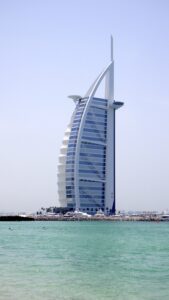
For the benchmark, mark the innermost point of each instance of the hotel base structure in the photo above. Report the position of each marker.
(86, 169)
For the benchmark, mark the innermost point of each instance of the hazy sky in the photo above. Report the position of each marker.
(51, 49)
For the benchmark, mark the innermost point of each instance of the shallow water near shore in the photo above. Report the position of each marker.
(84, 260)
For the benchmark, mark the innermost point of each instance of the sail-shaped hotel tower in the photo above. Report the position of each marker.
(86, 170)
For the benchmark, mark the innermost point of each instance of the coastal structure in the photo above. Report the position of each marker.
(86, 170)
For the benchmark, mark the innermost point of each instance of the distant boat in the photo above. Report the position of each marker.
(80, 213)
(165, 217)
(99, 213)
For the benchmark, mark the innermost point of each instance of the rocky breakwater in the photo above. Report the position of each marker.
(78, 217)
(10, 218)
(85, 217)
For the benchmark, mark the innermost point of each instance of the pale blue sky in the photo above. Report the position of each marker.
(51, 49)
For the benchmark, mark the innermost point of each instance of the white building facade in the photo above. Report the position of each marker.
(86, 170)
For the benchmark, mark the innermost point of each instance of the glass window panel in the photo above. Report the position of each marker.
(96, 161)
(95, 106)
(74, 129)
(95, 127)
(70, 161)
(94, 122)
(73, 138)
(91, 184)
(76, 121)
(100, 100)
(89, 152)
(94, 130)
(70, 153)
(92, 134)
(89, 197)
(96, 119)
(91, 163)
(99, 104)
(92, 146)
(93, 139)
(97, 111)
(92, 188)
(93, 194)
(88, 171)
(89, 155)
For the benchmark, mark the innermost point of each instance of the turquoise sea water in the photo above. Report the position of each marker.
(84, 260)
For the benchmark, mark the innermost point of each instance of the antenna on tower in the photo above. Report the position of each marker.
(109, 83)
(111, 48)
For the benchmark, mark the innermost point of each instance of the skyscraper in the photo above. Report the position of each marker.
(86, 170)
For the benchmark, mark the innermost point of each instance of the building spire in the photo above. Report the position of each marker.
(108, 74)
(111, 48)
(109, 83)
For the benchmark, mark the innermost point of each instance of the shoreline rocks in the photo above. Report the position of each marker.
(113, 218)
